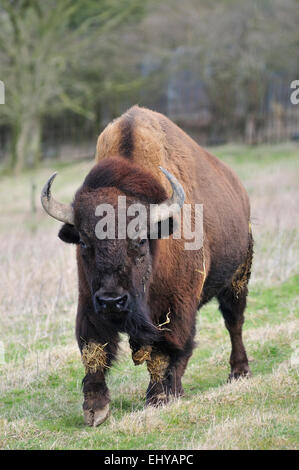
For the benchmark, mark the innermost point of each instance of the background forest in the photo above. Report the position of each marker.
(220, 69)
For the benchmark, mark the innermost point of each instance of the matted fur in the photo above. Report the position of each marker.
(157, 366)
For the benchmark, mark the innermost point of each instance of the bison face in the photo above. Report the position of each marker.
(117, 271)
(114, 270)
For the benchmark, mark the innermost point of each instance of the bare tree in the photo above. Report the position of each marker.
(41, 45)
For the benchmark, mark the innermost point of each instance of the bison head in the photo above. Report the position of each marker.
(117, 269)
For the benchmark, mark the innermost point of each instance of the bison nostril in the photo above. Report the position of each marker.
(122, 300)
(111, 303)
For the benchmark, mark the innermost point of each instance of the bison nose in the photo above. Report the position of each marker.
(110, 303)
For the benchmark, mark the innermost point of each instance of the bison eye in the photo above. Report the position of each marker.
(82, 244)
(142, 242)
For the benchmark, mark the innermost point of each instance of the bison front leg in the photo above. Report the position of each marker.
(167, 364)
(166, 371)
(96, 394)
(97, 351)
(96, 399)
(160, 386)
(158, 366)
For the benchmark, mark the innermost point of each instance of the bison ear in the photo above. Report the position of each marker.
(69, 234)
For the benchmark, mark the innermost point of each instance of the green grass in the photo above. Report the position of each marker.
(46, 413)
(40, 381)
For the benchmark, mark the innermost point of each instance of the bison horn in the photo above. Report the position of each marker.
(164, 210)
(62, 212)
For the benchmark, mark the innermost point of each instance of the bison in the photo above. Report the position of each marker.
(152, 287)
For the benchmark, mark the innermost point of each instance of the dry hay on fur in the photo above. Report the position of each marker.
(240, 279)
(143, 354)
(157, 366)
(157, 363)
(204, 274)
(94, 357)
(242, 274)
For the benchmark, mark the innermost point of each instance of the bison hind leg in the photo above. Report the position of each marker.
(232, 309)
(232, 303)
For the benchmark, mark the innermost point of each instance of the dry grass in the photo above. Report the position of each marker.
(256, 338)
(36, 366)
(274, 195)
(242, 431)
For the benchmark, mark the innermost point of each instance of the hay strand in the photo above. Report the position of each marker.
(203, 272)
(94, 357)
(165, 323)
(143, 354)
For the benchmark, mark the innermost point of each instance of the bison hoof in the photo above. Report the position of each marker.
(96, 417)
(157, 400)
(239, 373)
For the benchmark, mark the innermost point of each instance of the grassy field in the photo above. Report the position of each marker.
(40, 377)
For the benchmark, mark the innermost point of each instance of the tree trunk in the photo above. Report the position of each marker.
(27, 142)
(36, 130)
(250, 130)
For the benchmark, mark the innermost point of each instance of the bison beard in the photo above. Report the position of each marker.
(135, 322)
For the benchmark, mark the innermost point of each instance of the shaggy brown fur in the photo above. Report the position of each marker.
(166, 278)
(242, 275)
